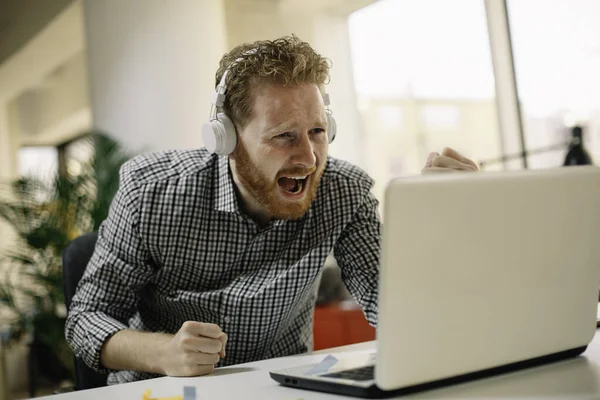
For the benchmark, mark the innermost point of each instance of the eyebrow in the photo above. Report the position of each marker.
(283, 127)
(286, 126)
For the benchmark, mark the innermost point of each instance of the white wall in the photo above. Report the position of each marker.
(44, 114)
(332, 38)
(8, 148)
(151, 68)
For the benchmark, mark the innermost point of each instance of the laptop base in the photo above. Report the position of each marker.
(375, 392)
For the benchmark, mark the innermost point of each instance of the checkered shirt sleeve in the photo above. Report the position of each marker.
(108, 292)
(357, 252)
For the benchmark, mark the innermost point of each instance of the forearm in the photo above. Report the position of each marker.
(135, 351)
(358, 252)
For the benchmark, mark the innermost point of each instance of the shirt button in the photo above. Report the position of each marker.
(227, 320)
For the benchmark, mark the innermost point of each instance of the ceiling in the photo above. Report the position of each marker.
(20, 20)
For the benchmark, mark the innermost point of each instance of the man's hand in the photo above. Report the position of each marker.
(449, 161)
(194, 350)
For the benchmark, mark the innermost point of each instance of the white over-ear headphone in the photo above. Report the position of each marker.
(219, 133)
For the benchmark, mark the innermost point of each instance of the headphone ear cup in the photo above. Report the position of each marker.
(229, 134)
(219, 135)
(331, 128)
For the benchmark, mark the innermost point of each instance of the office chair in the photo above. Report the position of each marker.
(74, 260)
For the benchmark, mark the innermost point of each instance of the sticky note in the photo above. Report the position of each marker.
(146, 396)
(323, 366)
(189, 393)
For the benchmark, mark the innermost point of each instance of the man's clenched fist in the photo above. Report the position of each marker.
(194, 350)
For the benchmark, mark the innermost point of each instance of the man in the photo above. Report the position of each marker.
(197, 245)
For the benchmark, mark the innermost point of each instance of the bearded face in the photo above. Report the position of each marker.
(286, 195)
(281, 153)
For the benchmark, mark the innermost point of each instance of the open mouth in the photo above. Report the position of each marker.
(293, 184)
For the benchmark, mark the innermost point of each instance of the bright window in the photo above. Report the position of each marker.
(556, 46)
(424, 79)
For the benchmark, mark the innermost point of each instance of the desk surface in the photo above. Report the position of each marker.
(578, 378)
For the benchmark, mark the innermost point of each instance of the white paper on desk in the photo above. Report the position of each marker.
(340, 361)
(324, 366)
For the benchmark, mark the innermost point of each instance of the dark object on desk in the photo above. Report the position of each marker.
(75, 259)
(577, 154)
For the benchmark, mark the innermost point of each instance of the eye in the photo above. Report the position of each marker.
(284, 135)
(317, 130)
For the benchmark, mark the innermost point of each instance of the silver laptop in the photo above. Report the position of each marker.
(481, 274)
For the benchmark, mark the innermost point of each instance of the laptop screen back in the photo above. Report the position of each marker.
(484, 269)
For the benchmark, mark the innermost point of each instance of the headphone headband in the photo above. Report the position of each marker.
(218, 98)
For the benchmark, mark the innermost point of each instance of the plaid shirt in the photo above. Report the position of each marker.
(176, 247)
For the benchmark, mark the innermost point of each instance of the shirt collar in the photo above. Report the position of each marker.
(225, 197)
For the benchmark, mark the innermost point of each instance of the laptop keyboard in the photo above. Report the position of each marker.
(358, 374)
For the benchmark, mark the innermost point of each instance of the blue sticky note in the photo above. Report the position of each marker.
(189, 393)
(323, 366)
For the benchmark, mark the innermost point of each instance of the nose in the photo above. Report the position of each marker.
(304, 154)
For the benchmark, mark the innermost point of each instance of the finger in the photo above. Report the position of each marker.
(195, 370)
(431, 170)
(202, 344)
(449, 152)
(223, 340)
(198, 358)
(448, 162)
(430, 159)
(202, 329)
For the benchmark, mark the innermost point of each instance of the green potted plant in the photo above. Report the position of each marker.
(46, 216)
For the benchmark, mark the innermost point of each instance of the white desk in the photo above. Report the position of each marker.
(578, 378)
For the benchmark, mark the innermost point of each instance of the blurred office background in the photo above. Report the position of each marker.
(408, 77)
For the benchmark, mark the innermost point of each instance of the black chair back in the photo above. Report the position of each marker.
(74, 261)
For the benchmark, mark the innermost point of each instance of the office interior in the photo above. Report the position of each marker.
(510, 84)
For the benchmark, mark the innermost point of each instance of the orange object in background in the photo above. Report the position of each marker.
(340, 324)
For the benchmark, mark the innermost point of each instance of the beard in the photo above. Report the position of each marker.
(266, 191)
